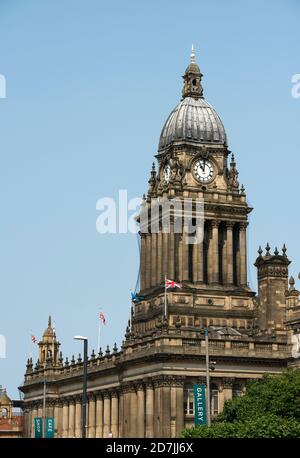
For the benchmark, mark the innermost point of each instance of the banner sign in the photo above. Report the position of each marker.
(38, 427)
(200, 405)
(49, 427)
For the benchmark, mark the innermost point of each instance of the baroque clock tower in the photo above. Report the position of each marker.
(194, 163)
(146, 388)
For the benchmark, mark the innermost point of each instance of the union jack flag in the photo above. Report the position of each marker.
(33, 338)
(102, 317)
(172, 284)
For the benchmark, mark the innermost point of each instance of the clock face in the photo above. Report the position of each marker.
(203, 170)
(167, 173)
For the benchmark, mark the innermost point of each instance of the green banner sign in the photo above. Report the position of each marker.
(49, 427)
(38, 427)
(200, 405)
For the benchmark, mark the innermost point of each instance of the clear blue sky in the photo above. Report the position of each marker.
(89, 86)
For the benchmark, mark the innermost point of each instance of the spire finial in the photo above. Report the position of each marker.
(192, 55)
(49, 321)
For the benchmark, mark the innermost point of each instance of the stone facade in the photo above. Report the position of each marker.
(145, 388)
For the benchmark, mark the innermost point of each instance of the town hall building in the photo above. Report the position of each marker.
(145, 388)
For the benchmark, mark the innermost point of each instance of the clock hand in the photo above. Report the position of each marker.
(203, 167)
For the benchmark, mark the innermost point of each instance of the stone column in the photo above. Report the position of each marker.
(159, 278)
(33, 411)
(226, 391)
(229, 254)
(143, 260)
(140, 410)
(171, 251)
(166, 410)
(106, 419)
(71, 421)
(92, 416)
(133, 412)
(195, 262)
(115, 414)
(215, 251)
(157, 408)
(177, 414)
(148, 261)
(185, 255)
(243, 254)
(65, 419)
(121, 412)
(78, 416)
(180, 254)
(198, 254)
(165, 254)
(153, 259)
(99, 415)
(149, 409)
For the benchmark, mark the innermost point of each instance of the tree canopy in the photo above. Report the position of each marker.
(270, 408)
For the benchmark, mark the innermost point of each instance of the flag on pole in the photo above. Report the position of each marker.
(172, 284)
(33, 339)
(102, 317)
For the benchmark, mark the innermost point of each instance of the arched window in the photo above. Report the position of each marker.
(214, 399)
(4, 413)
(188, 399)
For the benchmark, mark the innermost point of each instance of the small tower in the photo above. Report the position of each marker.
(49, 347)
(272, 272)
(192, 79)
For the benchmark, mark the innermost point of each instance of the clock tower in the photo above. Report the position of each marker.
(195, 164)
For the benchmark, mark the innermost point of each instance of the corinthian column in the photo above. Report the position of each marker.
(215, 251)
(106, 427)
(159, 258)
(115, 414)
(65, 425)
(140, 410)
(71, 429)
(171, 251)
(185, 254)
(243, 254)
(99, 416)
(149, 409)
(229, 254)
(34, 413)
(153, 259)
(143, 260)
(148, 261)
(78, 419)
(165, 254)
(92, 416)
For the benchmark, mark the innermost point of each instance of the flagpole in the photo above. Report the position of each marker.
(130, 306)
(165, 296)
(99, 323)
(30, 345)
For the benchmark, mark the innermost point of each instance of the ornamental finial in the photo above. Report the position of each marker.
(192, 55)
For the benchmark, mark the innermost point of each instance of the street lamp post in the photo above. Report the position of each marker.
(207, 378)
(210, 366)
(84, 391)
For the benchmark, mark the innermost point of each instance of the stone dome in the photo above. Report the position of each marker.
(193, 119)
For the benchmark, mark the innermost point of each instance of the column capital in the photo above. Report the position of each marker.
(215, 223)
(140, 385)
(243, 225)
(114, 393)
(229, 224)
(227, 382)
(149, 384)
(91, 397)
(106, 394)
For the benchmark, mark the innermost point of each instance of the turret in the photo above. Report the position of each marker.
(49, 347)
(272, 272)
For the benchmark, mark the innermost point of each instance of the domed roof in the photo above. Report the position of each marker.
(193, 119)
(49, 332)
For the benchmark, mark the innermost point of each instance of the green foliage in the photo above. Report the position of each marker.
(270, 408)
(267, 426)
